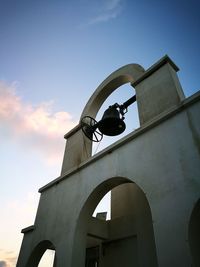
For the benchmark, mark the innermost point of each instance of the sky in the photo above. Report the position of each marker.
(53, 55)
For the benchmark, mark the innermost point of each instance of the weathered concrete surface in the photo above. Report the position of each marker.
(158, 90)
(78, 147)
(158, 169)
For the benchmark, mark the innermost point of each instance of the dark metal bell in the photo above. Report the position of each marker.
(111, 124)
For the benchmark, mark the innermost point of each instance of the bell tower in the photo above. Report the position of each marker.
(152, 173)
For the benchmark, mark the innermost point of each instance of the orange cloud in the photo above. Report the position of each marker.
(3, 264)
(37, 126)
(15, 214)
(8, 258)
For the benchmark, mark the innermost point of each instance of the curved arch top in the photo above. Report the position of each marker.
(127, 220)
(38, 252)
(127, 73)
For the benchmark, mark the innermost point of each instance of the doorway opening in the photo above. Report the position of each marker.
(126, 238)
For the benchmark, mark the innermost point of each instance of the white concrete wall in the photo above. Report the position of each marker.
(163, 161)
(161, 158)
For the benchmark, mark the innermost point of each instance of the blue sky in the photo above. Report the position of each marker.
(53, 55)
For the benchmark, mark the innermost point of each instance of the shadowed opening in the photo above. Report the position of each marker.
(125, 239)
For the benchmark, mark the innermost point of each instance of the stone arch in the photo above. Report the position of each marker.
(85, 227)
(80, 147)
(194, 234)
(127, 73)
(38, 252)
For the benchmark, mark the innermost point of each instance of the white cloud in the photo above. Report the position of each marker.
(112, 4)
(10, 259)
(108, 9)
(35, 126)
(15, 214)
(3, 264)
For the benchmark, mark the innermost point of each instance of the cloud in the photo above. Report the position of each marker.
(9, 258)
(35, 126)
(15, 214)
(108, 9)
(3, 264)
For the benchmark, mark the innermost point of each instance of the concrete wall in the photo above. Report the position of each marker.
(161, 162)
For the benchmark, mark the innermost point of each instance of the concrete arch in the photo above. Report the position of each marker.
(80, 147)
(99, 192)
(38, 252)
(127, 73)
(194, 234)
(86, 224)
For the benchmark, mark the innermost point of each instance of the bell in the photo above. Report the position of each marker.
(111, 124)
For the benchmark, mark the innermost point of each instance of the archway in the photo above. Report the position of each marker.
(126, 239)
(131, 117)
(38, 252)
(80, 147)
(127, 73)
(124, 75)
(194, 234)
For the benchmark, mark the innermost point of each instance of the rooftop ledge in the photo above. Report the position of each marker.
(28, 229)
(144, 128)
(164, 60)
